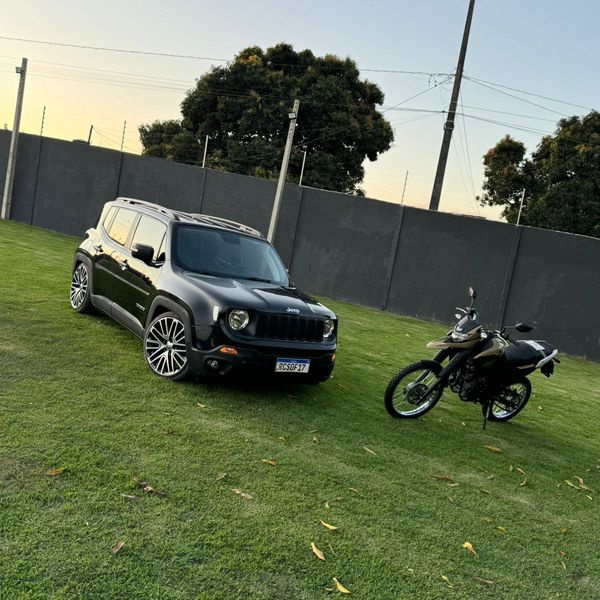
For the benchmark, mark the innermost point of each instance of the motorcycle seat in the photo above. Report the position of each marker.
(530, 353)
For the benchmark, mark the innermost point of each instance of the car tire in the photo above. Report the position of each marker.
(81, 289)
(166, 347)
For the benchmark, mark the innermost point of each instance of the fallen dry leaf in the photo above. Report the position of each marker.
(571, 484)
(487, 519)
(484, 581)
(369, 451)
(327, 525)
(443, 478)
(521, 471)
(484, 491)
(201, 405)
(511, 468)
(502, 529)
(281, 438)
(354, 490)
(455, 484)
(315, 439)
(340, 587)
(129, 497)
(561, 553)
(581, 483)
(326, 504)
(317, 552)
(55, 471)
(117, 547)
(148, 489)
(269, 461)
(221, 476)
(340, 386)
(469, 548)
(562, 564)
(493, 448)
(588, 497)
(563, 530)
(241, 494)
(447, 581)
(524, 482)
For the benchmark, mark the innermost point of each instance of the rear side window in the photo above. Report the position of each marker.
(108, 218)
(119, 229)
(150, 232)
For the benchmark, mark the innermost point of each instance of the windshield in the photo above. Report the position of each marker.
(227, 254)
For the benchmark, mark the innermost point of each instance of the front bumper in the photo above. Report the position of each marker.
(202, 361)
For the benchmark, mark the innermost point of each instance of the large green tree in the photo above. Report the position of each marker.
(561, 179)
(243, 107)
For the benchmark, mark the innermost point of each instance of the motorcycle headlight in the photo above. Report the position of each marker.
(328, 328)
(238, 319)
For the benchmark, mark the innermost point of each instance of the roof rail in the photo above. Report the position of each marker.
(165, 211)
(227, 223)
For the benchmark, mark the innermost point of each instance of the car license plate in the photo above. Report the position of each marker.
(292, 365)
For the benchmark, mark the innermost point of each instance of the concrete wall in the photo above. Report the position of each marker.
(405, 260)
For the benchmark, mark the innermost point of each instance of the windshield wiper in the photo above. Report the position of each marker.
(257, 279)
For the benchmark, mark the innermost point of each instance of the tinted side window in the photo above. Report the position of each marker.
(150, 232)
(109, 217)
(119, 230)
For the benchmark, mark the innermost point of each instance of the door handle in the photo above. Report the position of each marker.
(123, 264)
(97, 247)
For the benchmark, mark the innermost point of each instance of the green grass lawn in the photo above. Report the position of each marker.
(75, 393)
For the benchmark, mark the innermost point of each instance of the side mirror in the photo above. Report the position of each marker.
(472, 293)
(521, 327)
(142, 252)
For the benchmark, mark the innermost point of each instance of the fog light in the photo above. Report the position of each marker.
(213, 364)
(228, 350)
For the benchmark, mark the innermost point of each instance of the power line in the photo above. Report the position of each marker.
(206, 58)
(506, 87)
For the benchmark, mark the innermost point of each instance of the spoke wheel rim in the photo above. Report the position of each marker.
(515, 394)
(406, 399)
(164, 346)
(79, 286)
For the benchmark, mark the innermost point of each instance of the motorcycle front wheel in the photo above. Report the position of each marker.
(406, 397)
(509, 402)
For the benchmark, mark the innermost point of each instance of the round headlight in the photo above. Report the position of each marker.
(328, 328)
(238, 319)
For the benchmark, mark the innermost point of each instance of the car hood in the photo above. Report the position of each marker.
(258, 295)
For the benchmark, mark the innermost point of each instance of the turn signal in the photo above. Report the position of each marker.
(333, 358)
(228, 350)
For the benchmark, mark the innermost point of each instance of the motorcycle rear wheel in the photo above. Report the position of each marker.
(402, 399)
(511, 401)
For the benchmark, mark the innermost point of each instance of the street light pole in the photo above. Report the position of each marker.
(12, 153)
(283, 172)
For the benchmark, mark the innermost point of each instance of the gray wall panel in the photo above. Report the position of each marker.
(343, 246)
(174, 185)
(439, 255)
(556, 286)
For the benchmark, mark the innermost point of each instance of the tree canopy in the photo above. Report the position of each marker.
(243, 108)
(561, 179)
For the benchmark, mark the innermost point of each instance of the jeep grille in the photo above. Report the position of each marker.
(287, 327)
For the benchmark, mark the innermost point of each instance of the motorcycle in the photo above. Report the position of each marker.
(484, 366)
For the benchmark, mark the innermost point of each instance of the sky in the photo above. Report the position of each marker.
(542, 47)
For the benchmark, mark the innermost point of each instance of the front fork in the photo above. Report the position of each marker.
(452, 365)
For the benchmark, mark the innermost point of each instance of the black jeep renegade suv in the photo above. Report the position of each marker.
(205, 294)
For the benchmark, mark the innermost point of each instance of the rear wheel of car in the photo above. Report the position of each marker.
(165, 347)
(80, 290)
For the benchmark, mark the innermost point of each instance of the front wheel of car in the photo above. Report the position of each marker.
(80, 290)
(165, 347)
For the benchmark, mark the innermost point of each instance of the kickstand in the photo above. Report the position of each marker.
(486, 416)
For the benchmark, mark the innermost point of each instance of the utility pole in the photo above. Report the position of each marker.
(520, 207)
(449, 125)
(12, 153)
(205, 150)
(283, 172)
(404, 188)
(123, 136)
(43, 119)
(302, 169)
(90, 136)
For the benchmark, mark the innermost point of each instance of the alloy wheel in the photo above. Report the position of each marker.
(165, 347)
(79, 286)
